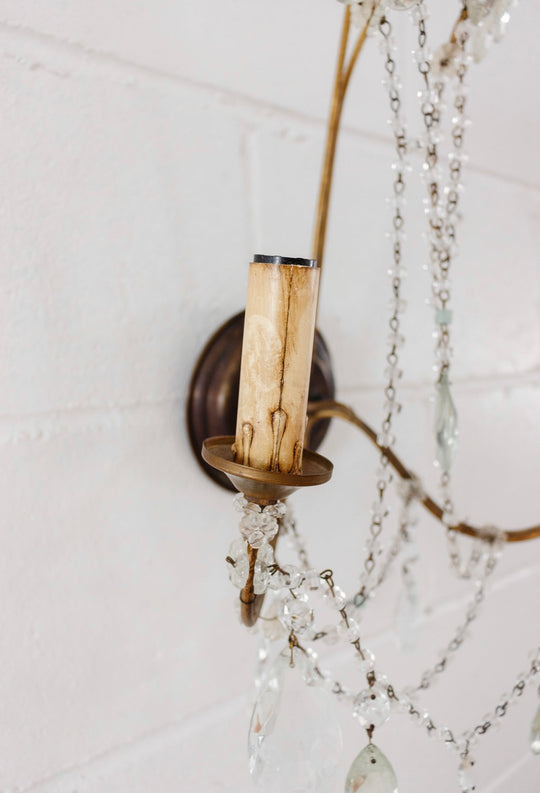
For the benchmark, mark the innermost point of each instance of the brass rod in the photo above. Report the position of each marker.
(331, 409)
(341, 83)
(336, 107)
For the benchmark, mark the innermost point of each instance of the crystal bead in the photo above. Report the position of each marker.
(535, 733)
(464, 775)
(237, 548)
(292, 577)
(372, 707)
(294, 739)
(295, 613)
(446, 430)
(312, 580)
(367, 662)
(350, 632)
(371, 772)
(277, 581)
(396, 340)
(443, 316)
(265, 554)
(336, 599)
(238, 572)
(386, 439)
(261, 579)
(478, 9)
(256, 538)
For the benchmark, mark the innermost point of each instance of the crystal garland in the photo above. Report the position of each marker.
(293, 621)
(451, 63)
(290, 617)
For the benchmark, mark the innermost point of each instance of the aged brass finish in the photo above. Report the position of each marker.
(265, 486)
(213, 393)
(262, 487)
(330, 409)
(344, 70)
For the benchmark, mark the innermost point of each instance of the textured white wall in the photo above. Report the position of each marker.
(147, 150)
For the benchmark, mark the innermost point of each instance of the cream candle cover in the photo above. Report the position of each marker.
(277, 349)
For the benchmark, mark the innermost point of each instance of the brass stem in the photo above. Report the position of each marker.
(331, 409)
(336, 107)
(341, 83)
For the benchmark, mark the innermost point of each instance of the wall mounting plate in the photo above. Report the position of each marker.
(213, 392)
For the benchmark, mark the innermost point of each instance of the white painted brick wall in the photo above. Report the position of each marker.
(147, 150)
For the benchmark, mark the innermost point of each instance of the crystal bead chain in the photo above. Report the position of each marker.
(379, 510)
(461, 633)
(410, 490)
(441, 210)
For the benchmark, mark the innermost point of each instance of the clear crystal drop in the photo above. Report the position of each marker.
(264, 715)
(371, 773)
(446, 430)
(535, 733)
(372, 707)
(294, 739)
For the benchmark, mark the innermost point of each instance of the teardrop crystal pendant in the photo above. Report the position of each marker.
(446, 429)
(294, 740)
(535, 733)
(371, 773)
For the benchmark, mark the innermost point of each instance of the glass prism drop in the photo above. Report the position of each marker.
(446, 428)
(294, 740)
(371, 773)
(535, 733)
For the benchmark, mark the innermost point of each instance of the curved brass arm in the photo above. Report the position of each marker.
(330, 409)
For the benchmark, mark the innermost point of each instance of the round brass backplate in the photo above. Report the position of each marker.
(213, 393)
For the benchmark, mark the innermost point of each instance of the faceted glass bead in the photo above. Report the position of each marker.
(294, 739)
(372, 707)
(337, 600)
(350, 632)
(367, 663)
(293, 576)
(446, 429)
(312, 580)
(465, 779)
(261, 578)
(535, 733)
(296, 614)
(371, 773)
(478, 9)
(238, 573)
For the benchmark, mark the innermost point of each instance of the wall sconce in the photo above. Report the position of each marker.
(266, 446)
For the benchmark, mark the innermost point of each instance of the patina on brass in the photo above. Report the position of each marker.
(263, 488)
(330, 409)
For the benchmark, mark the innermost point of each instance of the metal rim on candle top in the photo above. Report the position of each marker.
(263, 258)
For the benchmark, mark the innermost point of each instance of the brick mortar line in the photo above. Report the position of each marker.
(43, 424)
(113, 757)
(78, 48)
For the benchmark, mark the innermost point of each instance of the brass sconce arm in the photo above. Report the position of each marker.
(317, 411)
